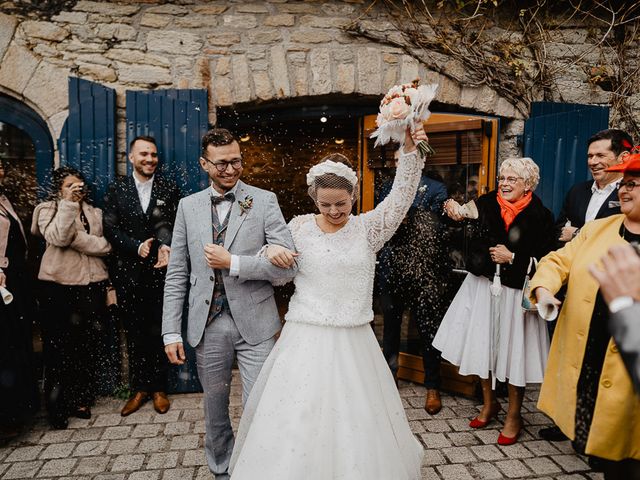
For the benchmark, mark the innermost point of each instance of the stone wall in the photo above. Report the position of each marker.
(240, 52)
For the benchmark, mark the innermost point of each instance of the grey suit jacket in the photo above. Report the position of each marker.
(625, 329)
(250, 294)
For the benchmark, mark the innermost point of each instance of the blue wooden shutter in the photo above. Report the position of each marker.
(87, 140)
(555, 136)
(177, 119)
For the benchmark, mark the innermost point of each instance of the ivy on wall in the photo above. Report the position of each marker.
(518, 48)
(38, 9)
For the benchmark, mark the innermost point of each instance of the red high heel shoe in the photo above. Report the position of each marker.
(477, 423)
(504, 440)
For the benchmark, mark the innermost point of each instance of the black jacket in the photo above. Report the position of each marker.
(576, 202)
(532, 234)
(126, 226)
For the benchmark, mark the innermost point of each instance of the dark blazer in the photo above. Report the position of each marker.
(576, 202)
(625, 329)
(532, 234)
(126, 226)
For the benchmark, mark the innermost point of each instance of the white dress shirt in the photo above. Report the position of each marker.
(144, 195)
(598, 197)
(144, 191)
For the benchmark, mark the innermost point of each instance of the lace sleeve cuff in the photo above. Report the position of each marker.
(382, 222)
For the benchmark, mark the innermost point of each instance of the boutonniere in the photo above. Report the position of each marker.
(159, 203)
(422, 189)
(246, 204)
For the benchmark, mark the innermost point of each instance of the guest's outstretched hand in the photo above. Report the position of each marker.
(452, 209)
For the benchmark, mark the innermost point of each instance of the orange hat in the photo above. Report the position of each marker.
(631, 164)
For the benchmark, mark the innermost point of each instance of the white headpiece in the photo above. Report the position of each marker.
(329, 166)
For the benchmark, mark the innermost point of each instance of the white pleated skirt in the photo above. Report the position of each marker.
(464, 336)
(325, 406)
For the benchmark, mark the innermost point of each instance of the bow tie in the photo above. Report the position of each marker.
(227, 197)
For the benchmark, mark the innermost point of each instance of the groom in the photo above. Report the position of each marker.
(232, 311)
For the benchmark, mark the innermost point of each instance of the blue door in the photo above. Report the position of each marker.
(555, 136)
(88, 137)
(177, 119)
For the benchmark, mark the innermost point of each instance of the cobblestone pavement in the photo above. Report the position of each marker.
(146, 445)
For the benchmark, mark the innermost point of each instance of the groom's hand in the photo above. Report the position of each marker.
(217, 256)
(175, 353)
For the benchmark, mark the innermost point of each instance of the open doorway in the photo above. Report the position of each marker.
(280, 143)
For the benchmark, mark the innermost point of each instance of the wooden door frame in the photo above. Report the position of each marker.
(410, 366)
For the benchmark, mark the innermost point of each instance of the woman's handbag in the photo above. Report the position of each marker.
(527, 306)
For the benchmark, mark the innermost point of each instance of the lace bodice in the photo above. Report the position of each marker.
(334, 284)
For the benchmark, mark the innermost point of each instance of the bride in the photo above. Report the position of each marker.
(325, 405)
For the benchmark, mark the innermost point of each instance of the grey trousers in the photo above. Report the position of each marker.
(214, 357)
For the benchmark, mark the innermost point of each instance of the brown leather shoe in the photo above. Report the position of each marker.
(134, 403)
(161, 402)
(432, 403)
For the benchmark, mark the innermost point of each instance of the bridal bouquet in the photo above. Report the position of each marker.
(403, 106)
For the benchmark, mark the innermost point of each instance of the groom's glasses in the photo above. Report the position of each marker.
(236, 164)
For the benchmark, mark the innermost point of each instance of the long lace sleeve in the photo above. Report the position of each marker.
(383, 221)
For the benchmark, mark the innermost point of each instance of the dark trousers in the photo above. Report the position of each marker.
(627, 469)
(393, 307)
(142, 318)
(72, 329)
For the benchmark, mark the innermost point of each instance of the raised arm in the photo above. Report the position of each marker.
(56, 223)
(383, 221)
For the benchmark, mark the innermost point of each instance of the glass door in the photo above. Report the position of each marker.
(465, 157)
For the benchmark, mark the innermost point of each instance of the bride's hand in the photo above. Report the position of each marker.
(280, 256)
(412, 139)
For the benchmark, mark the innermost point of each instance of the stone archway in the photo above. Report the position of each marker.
(23, 117)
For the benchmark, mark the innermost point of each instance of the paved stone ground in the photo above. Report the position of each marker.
(146, 445)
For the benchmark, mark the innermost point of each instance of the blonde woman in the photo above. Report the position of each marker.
(512, 226)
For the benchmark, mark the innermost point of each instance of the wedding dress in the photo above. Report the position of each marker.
(325, 405)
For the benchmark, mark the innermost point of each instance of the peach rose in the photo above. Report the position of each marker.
(398, 108)
(385, 113)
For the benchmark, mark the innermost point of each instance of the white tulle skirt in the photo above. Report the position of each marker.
(464, 336)
(325, 407)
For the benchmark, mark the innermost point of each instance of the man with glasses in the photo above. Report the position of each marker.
(214, 261)
(138, 221)
(597, 198)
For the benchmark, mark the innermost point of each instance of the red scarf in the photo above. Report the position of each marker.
(510, 210)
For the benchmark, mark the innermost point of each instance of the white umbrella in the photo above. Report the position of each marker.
(496, 291)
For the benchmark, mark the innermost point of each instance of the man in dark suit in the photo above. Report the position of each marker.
(138, 221)
(597, 198)
(412, 268)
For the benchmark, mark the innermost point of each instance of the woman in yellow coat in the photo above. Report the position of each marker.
(586, 389)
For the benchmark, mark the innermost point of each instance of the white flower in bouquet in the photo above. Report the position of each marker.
(402, 107)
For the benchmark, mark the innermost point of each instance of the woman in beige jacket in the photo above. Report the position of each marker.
(75, 282)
